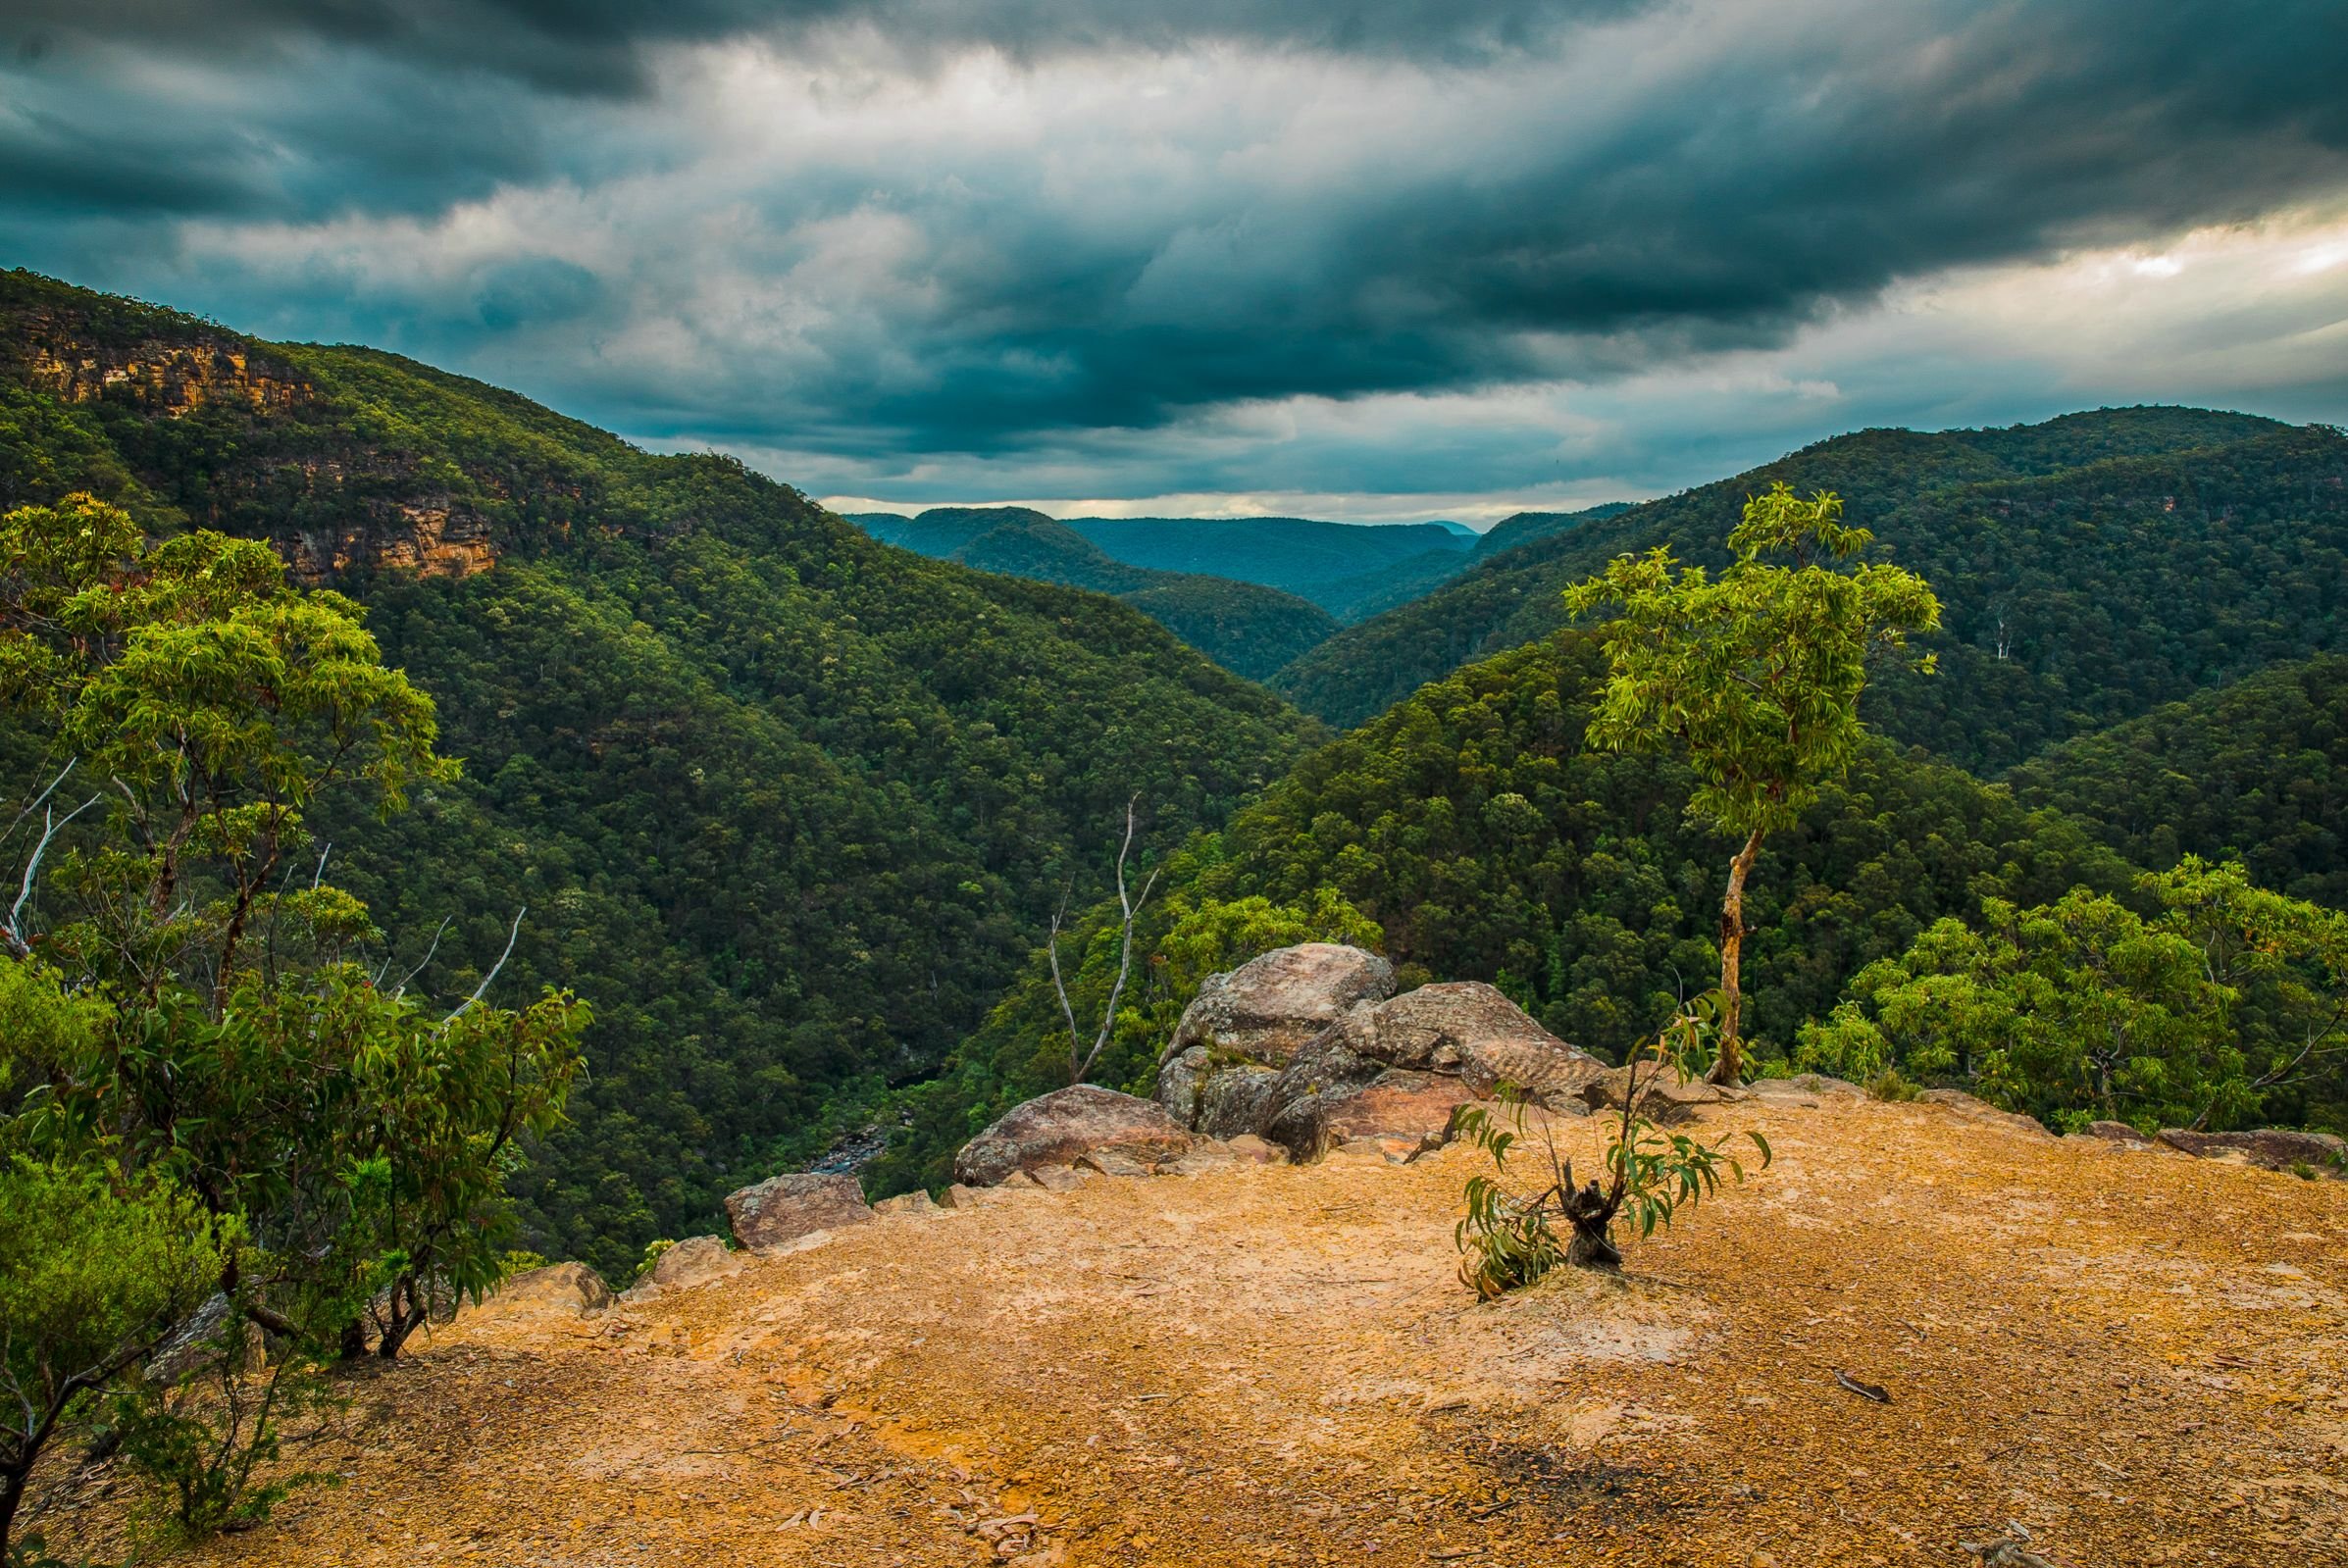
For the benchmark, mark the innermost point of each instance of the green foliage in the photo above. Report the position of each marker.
(1756, 674)
(2224, 1007)
(790, 807)
(2090, 569)
(2255, 771)
(197, 1053)
(654, 1251)
(1246, 628)
(96, 1267)
(204, 1439)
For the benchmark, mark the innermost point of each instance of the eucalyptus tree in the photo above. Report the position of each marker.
(1754, 675)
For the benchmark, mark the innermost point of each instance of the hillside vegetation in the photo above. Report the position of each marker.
(788, 806)
(2046, 545)
(2255, 771)
(1338, 566)
(1245, 626)
(1475, 831)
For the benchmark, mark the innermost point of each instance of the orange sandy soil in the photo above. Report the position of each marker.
(2135, 1356)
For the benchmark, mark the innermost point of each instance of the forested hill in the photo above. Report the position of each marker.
(1335, 565)
(1471, 825)
(787, 807)
(1243, 626)
(2133, 556)
(2255, 772)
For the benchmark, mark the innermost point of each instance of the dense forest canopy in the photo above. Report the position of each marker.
(1243, 626)
(2046, 545)
(792, 808)
(788, 806)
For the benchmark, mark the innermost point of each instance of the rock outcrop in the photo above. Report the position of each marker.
(695, 1260)
(1664, 1098)
(1406, 1113)
(784, 1208)
(1381, 1069)
(560, 1289)
(1470, 1032)
(1062, 1127)
(1246, 1023)
(2270, 1148)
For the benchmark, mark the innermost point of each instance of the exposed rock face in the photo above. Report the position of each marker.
(1379, 1067)
(784, 1208)
(1061, 1128)
(2270, 1148)
(2117, 1132)
(560, 1289)
(914, 1203)
(1274, 1003)
(1403, 1112)
(1470, 1032)
(695, 1260)
(1663, 1099)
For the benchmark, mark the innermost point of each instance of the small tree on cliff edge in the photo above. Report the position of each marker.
(1754, 673)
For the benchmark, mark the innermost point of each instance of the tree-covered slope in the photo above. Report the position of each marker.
(1243, 626)
(1524, 528)
(1474, 827)
(787, 806)
(2255, 771)
(2093, 536)
(1335, 565)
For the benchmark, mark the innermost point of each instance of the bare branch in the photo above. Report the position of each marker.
(401, 990)
(480, 989)
(12, 932)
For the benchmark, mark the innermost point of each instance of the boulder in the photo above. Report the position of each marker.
(1255, 1150)
(560, 1289)
(2117, 1132)
(695, 1260)
(784, 1208)
(1470, 1032)
(1218, 1096)
(1663, 1099)
(1065, 1126)
(916, 1201)
(2270, 1148)
(1274, 1003)
(1402, 1111)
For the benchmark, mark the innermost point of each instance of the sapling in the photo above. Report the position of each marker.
(1648, 1174)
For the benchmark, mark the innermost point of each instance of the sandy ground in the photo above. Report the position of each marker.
(2132, 1356)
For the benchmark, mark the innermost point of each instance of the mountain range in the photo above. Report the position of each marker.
(794, 807)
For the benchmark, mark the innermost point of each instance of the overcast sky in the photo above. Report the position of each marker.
(1381, 259)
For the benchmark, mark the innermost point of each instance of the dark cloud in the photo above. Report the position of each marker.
(1340, 201)
(600, 46)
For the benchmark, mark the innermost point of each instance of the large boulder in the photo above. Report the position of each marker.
(559, 1291)
(782, 1208)
(2270, 1148)
(1665, 1098)
(1276, 1002)
(1062, 1126)
(695, 1260)
(1470, 1032)
(1404, 1112)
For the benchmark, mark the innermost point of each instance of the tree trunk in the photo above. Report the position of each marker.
(12, 1493)
(1729, 1068)
(1592, 1215)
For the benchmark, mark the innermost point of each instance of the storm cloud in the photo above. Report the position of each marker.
(938, 250)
